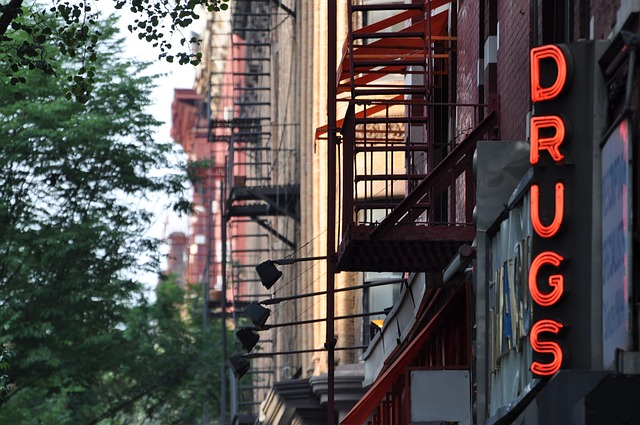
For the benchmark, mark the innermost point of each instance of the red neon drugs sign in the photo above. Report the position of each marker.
(548, 134)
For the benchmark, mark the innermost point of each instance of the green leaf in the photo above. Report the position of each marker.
(79, 154)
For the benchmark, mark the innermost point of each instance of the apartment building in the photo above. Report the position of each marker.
(449, 190)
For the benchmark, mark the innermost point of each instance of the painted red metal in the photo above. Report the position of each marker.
(443, 343)
(408, 190)
(409, 248)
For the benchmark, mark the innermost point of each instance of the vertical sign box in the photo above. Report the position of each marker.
(562, 205)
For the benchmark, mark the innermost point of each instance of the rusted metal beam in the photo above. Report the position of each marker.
(438, 172)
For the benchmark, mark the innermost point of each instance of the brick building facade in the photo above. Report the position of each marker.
(445, 243)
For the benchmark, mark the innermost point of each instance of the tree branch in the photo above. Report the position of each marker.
(168, 377)
(9, 13)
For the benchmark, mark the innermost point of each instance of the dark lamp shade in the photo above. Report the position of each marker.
(268, 273)
(239, 365)
(247, 338)
(258, 314)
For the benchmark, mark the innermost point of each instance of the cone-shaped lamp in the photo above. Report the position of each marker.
(268, 273)
(247, 338)
(239, 365)
(258, 314)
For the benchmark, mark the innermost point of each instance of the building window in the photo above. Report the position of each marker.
(377, 298)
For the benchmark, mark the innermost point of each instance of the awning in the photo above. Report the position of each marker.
(372, 398)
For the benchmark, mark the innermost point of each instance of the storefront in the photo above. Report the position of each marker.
(557, 339)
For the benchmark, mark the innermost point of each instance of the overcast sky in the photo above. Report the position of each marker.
(175, 76)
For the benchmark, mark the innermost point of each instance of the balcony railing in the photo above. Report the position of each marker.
(408, 192)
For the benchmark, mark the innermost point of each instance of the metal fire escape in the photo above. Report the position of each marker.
(408, 191)
(253, 195)
(255, 198)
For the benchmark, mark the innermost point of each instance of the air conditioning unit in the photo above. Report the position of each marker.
(440, 397)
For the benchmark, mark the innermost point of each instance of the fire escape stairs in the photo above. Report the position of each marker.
(254, 200)
(251, 194)
(408, 190)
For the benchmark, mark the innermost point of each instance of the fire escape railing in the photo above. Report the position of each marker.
(443, 177)
(256, 200)
(406, 172)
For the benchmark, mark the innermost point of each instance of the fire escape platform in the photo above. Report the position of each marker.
(407, 199)
(264, 201)
(406, 248)
(399, 244)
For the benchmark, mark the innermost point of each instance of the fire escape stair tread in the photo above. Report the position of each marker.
(253, 29)
(252, 148)
(248, 194)
(254, 210)
(395, 34)
(269, 200)
(251, 89)
(398, 146)
(245, 131)
(386, 6)
(251, 44)
(382, 205)
(388, 176)
(253, 163)
(251, 74)
(420, 90)
(390, 120)
(245, 121)
(253, 103)
(249, 59)
(375, 63)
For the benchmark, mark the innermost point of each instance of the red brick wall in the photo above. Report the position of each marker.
(178, 247)
(604, 12)
(513, 67)
(468, 48)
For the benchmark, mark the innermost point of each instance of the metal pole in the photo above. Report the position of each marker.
(223, 306)
(277, 300)
(283, 353)
(306, 322)
(207, 272)
(331, 205)
(286, 261)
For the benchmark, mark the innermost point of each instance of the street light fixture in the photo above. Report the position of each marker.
(248, 338)
(276, 300)
(308, 321)
(269, 273)
(258, 314)
(240, 364)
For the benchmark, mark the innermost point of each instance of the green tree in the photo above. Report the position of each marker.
(176, 367)
(168, 370)
(84, 344)
(28, 29)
